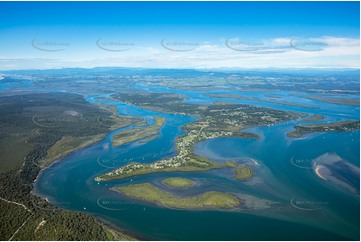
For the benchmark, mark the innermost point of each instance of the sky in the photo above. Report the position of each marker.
(201, 35)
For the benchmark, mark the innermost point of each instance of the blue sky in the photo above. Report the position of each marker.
(179, 34)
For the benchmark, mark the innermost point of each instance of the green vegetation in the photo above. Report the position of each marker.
(230, 164)
(67, 145)
(115, 235)
(36, 129)
(342, 101)
(131, 135)
(328, 127)
(244, 172)
(12, 213)
(216, 120)
(149, 193)
(197, 163)
(178, 182)
(314, 117)
(260, 100)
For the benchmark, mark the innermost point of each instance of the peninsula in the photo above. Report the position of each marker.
(327, 127)
(216, 120)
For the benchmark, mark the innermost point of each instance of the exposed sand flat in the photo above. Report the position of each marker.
(338, 172)
(319, 173)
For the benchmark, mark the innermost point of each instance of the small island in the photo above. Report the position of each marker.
(335, 100)
(244, 172)
(328, 127)
(270, 100)
(152, 194)
(131, 135)
(314, 117)
(178, 182)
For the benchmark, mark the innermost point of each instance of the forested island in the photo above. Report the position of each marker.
(326, 127)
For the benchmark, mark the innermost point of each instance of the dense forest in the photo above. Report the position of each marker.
(30, 125)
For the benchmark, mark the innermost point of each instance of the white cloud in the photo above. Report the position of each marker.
(323, 52)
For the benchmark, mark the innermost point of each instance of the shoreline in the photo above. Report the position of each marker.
(213, 164)
(102, 222)
(118, 228)
(111, 225)
(238, 207)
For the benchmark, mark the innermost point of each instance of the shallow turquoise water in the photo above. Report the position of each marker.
(282, 175)
(69, 184)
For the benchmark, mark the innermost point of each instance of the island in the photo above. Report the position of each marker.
(178, 182)
(244, 172)
(335, 100)
(131, 135)
(270, 100)
(314, 117)
(342, 126)
(152, 194)
(215, 120)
